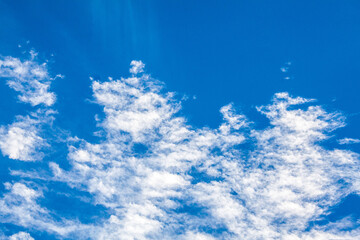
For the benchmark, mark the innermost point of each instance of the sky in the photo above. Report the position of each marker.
(179, 119)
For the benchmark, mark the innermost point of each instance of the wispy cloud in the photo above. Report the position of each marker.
(348, 141)
(21, 140)
(29, 78)
(19, 206)
(158, 177)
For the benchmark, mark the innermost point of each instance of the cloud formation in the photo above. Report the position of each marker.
(158, 177)
(29, 78)
(22, 139)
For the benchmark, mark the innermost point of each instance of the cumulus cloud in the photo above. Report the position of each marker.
(158, 177)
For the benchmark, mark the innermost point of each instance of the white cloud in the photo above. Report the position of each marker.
(284, 69)
(22, 139)
(21, 236)
(348, 141)
(153, 184)
(198, 183)
(19, 206)
(29, 78)
(131, 107)
(137, 67)
(197, 236)
(288, 180)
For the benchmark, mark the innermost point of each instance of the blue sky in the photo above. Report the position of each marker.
(83, 152)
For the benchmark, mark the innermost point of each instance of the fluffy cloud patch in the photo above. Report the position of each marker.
(137, 67)
(21, 236)
(21, 140)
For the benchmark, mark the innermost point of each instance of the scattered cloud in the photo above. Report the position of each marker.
(21, 140)
(29, 78)
(158, 177)
(20, 206)
(285, 70)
